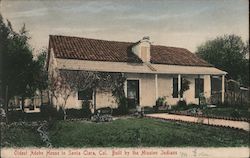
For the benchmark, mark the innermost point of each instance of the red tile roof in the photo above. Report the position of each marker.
(67, 47)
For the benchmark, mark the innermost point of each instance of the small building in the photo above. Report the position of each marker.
(151, 71)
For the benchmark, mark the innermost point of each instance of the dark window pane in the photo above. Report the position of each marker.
(85, 94)
(199, 87)
(175, 87)
(216, 85)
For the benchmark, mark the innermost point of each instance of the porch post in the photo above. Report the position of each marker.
(223, 89)
(125, 88)
(179, 86)
(156, 86)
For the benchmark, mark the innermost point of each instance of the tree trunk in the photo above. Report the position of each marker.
(64, 114)
(6, 103)
(41, 97)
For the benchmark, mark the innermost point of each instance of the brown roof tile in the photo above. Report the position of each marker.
(113, 51)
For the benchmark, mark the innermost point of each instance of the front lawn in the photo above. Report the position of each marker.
(143, 132)
(20, 134)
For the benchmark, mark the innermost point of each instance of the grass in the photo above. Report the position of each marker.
(227, 112)
(19, 135)
(143, 132)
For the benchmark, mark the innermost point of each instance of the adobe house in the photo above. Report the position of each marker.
(151, 71)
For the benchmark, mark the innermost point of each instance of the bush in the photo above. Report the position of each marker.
(161, 101)
(15, 115)
(105, 110)
(235, 114)
(123, 106)
(74, 113)
(86, 112)
(48, 111)
(182, 103)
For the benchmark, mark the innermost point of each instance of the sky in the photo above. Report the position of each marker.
(178, 23)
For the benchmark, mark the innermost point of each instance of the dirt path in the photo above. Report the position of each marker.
(210, 121)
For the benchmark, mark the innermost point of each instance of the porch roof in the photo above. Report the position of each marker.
(103, 66)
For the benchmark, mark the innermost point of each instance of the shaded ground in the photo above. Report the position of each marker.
(20, 134)
(143, 132)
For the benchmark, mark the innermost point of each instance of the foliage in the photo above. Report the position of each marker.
(225, 111)
(20, 134)
(68, 81)
(235, 114)
(86, 112)
(122, 106)
(17, 60)
(202, 99)
(228, 53)
(184, 86)
(22, 75)
(48, 111)
(41, 74)
(161, 101)
(182, 103)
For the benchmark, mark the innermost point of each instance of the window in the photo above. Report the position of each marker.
(175, 87)
(199, 87)
(85, 94)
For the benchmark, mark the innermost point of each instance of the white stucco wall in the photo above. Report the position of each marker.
(165, 88)
(146, 87)
(105, 99)
(147, 91)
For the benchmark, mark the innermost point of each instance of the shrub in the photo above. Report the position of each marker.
(235, 114)
(123, 106)
(105, 110)
(48, 111)
(182, 103)
(160, 101)
(74, 113)
(15, 115)
(86, 112)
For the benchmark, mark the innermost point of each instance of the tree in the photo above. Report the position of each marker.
(228, 53)
(40, 73)
(67, 82)
(17, 62)
(184, 86)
